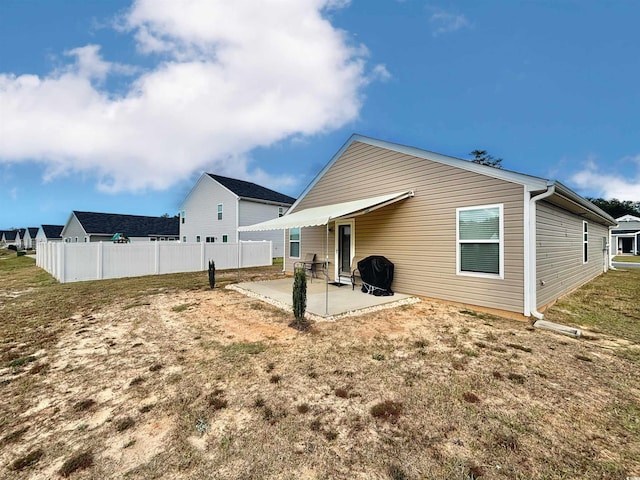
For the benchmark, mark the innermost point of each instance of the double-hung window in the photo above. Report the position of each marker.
(480, 241)
(219, 211)
(294, 242)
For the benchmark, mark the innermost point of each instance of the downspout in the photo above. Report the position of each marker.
(533, 297)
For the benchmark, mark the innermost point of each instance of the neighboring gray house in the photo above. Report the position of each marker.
(49, 233)
(217, 206)
(101, 227)
(625, 237)
(454, 229)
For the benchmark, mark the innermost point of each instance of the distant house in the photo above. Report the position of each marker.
(625, 237)
(454, 229)
(49, 233)
(29, 239)
(101, 227)
(10, 237)
(20, 233)
(217, 206)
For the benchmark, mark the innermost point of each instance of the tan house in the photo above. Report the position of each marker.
(454, 229)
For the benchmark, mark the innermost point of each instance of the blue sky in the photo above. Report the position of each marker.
(118, 106)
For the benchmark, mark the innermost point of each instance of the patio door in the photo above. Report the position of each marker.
(345, 247)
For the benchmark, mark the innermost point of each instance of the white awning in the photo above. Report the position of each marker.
(315, 216)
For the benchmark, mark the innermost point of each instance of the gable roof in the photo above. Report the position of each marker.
(131, 225)
(10, 235)
(52, 231)
(252, 190)
(33, 231)
(569, 198)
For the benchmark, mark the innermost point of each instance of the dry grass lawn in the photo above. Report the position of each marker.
(161, 377)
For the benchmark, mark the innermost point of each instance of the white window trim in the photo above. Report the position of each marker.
(500, 242)
(220, 212)
(299, 243)
(585, 241)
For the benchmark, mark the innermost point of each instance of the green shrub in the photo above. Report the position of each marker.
(212, 273)
(299, 294)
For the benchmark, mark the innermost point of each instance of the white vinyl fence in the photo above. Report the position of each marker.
(77, 262)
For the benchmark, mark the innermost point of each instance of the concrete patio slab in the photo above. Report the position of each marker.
(342, 301)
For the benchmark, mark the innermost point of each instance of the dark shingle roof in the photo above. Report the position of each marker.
(10, 235)
(52, 231)
(33, 231)
(22, 231)
(251, 190)
(131, 225)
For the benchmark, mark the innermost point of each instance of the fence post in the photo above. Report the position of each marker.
(156, 269)
(100, 255)
(63, 260)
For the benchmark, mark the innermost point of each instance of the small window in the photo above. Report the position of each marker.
(219, 211)
(184, 239)
(225, 238)
(480, 249)
(294, 242)
(210, 239)
(280, 211)
(86, 239)
(182, 216)
(153, 239)
(197, 238)
(585, 242)
(75, 240)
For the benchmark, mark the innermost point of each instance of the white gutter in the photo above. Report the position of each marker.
(533, 293)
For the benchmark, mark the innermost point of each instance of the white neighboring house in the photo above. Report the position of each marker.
(101, 227)
(625, 238)
(10, 237)
(49, 233)
(29, 239)
(217, 206)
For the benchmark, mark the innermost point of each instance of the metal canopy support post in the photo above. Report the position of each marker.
(326, 280)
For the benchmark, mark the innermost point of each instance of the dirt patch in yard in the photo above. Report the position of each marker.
(198, 383)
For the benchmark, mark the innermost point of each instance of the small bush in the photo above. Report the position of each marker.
(80, 461)
(303, 408)
(259, 402)
(28, 460)
(388, 411)
(299, 294)
(212, 274)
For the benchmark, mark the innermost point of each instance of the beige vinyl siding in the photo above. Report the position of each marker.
(419, 234)
(559, 252)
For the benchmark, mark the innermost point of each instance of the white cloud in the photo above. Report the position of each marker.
(608, 185)
(229, 77)
(445, 22)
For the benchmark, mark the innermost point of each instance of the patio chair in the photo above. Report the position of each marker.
(310, 264)
(354, 271)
